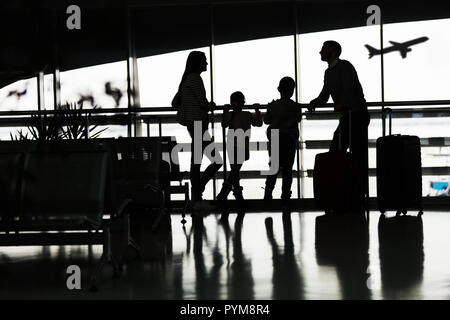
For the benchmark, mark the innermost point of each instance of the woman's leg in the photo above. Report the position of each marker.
(211, 170)
(234, 176)
(195, 168)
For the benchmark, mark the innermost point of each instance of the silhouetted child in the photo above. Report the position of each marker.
(238, 137)
(284, 115)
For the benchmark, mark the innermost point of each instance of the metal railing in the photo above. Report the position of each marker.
(167, 115)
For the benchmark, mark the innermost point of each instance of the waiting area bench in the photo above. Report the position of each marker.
(75, 192)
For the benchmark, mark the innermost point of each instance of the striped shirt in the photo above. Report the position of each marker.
(194, 105)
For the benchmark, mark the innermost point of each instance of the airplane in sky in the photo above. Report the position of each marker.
(403, 48)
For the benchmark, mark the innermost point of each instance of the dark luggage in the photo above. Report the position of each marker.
(401, 252)
(341, 238)
(336, 181)
(399, 173)
(342, 242)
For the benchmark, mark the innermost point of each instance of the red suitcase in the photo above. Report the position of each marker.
(336, 181)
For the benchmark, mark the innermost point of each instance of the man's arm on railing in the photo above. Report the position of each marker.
(323, 97)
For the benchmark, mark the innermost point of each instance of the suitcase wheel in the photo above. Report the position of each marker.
(420, 213)
(398, 213)
(404, 212)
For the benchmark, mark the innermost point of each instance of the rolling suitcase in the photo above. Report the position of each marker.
(335, 181)
(334, 189)
(399, 172)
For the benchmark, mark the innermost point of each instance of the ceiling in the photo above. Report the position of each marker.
(35, 37)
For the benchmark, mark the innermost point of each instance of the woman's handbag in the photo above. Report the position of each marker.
(176, 101)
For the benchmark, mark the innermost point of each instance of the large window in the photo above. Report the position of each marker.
(162, 55)
(250, 53)
(253, 67)
(20, 95)
(160, 76)
(353, 41)
(104, 86)
(422, 72)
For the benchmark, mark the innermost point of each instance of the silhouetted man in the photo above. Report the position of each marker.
(342, 83)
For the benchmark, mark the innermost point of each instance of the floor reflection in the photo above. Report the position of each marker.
(240, 285)
(343, 241)
(401, 254)
(207, 284)
(252, 256)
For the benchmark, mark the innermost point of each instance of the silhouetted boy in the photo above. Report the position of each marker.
(283, 115)
(238, 137)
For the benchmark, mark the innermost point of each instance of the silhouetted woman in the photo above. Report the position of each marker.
(193, 110)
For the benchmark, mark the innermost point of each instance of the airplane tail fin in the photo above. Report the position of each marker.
(372, 51)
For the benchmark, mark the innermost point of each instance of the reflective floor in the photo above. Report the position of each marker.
(257, 256)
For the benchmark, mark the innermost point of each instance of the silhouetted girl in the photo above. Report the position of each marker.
(237, 141)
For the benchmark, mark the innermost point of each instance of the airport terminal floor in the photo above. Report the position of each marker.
(273, 255)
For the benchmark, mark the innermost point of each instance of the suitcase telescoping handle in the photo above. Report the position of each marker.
(388, 112)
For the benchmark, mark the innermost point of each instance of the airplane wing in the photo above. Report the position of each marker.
(395, 43)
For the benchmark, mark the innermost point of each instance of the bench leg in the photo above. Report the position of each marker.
(127, 242)
(103, 260)
(161, 212)
(186, 203)
(106, 258)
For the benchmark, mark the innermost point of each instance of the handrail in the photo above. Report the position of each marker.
(125, 118)
(217, 108)
(159, 115)
(309, 173)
